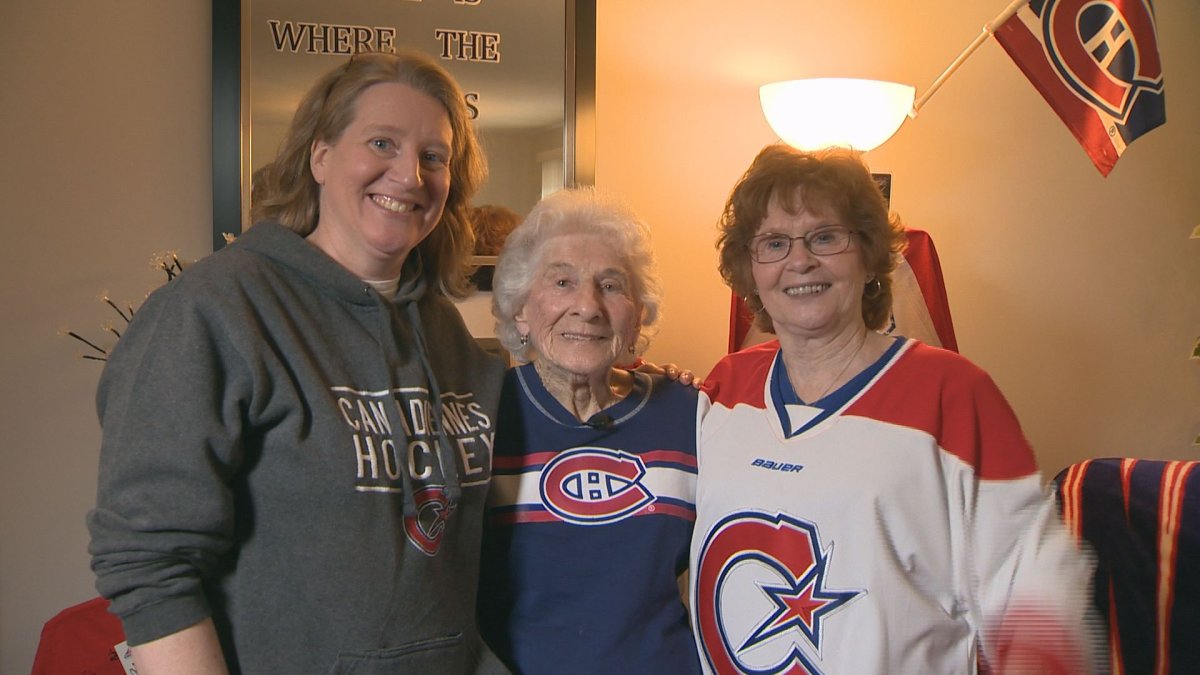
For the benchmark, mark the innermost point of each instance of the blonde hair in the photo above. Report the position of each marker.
(285, 190)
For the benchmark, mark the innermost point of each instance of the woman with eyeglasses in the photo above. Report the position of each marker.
(865, 503)
(297, 430)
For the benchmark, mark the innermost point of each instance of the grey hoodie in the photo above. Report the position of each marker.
(268, 420)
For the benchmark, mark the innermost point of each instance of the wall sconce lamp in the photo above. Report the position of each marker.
(861, 114)
(819, 112)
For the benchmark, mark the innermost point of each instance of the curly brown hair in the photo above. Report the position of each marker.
(833, 180)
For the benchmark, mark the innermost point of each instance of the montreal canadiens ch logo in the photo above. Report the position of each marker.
(433, 513)
(590, 486)
(1106, 53)
(761, 602)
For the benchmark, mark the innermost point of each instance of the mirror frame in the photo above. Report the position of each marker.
(230, 111)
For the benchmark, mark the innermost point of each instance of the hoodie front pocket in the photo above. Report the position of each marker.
(425, 657)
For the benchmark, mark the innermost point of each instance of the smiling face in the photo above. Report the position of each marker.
(580, 314)
(809, 296)
(384, 181)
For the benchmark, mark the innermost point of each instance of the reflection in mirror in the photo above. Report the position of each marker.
(509, 56)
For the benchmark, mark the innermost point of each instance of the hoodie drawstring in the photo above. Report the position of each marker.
(445, 452)
(388, 342)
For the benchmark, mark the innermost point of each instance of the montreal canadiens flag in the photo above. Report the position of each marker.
(1096, 63)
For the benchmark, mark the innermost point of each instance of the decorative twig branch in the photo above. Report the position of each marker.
(168, 263)
(87, 342)
(108, 301)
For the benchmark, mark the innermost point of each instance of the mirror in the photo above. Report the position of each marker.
(526, 68)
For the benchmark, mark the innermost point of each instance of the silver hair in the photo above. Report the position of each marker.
(573, 211)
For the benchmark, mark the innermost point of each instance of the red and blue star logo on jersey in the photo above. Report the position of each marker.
(591, 486)
(425, 530)
(771, 567)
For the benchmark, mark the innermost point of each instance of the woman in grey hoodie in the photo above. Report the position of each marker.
(297, 430)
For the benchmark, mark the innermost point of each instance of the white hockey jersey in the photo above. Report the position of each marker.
(899, 526)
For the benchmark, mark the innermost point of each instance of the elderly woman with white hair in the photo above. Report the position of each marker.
(592, 498)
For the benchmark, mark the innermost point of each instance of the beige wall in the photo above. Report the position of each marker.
(1076, 292)
(106, 159)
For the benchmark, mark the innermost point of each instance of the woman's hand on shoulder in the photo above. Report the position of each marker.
(669, 370)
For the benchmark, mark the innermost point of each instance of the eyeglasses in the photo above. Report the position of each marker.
(773, 247)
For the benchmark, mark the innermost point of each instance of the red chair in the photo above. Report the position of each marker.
(81, 639)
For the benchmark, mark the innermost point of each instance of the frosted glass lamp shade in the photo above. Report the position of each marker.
(820, 112)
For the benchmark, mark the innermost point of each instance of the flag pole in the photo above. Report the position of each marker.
(988, 29)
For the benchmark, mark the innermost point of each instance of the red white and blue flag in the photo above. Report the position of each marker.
(1096, 63)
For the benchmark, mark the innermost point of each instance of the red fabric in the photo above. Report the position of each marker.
(970, 420)
(80, 640)
(740, 321)
(922, 258)
(1029, 640)
(740, 381)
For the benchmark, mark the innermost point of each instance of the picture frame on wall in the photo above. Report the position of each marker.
(526, 67)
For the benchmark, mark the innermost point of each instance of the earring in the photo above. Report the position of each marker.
(872, 289)
(524, 340)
